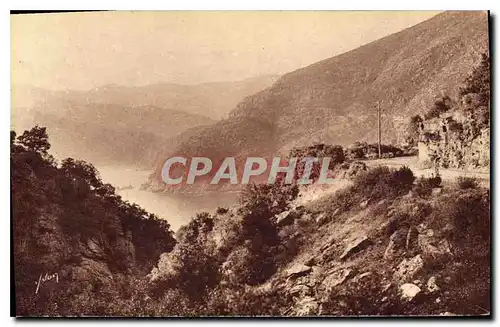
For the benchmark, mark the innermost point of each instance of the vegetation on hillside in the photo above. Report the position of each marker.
(386, 243)
(67, 221)
(250, 259)
(456, 131)
(247, 261)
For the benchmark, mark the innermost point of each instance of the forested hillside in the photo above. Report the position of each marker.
(69, 225)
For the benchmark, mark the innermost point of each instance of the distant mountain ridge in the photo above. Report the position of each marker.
(126, 125)
(213, 100)
(333, 101)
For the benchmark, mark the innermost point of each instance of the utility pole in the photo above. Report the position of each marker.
(379, 130)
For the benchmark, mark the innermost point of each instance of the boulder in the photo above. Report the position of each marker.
(299, 290)
(355, 246)
(316, 276)
(324, 217)
(336, 278)
(298, 270)
(94, 249)
(90, 270)
(431, 246)
(409, 268)
(359, 277)
(436, 191)
(409, 291)
(307, 217)
(396, 242)
(329, 242)
(300, 208)
(431, 285)
(321, 218)
(306, 306)
(411, 237)
(285, 218)
(311, 261)
(418, 282)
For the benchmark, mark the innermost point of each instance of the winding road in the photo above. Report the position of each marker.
(448, 175)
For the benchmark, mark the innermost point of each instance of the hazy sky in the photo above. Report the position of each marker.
(86, 50)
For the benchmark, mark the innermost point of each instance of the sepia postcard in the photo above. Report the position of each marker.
(250, 163)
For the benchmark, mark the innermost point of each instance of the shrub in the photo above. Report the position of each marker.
(372, 177)
(189, 268)
(478, 82)
(348, 170)
(471, 216)
(237, 301)
(259, 205)
(463, 217)
(320, 151)
(357, 150)
(258, 232)
(336, 152)
(221, 210)
(345, 199)
(440, 106)
(197, 229)
(468, 213)
(269, 199)
(252, 264)
(403, 177)
(455, 126)
(432, 136)
(424, 185)
(382, 182)
(35, 140)
(435, 181)
(360, 150)
(467, 182)
(363, 298)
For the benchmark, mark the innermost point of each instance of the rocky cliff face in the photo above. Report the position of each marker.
(75, 240)
(457, 135)
(453, 150)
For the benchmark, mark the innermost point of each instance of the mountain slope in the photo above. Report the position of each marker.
(333, 101)
(378, 243)
(113, 134)
(213, 100)
(74, 239)
(126, 125)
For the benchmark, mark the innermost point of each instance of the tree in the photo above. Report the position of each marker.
(357, 150)
(476, 92)
(83, 170)
(441, 105)
(413, 132)
(478, 81)
(35, 140)
(14, 146)
(336, 152)
(320, 151)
